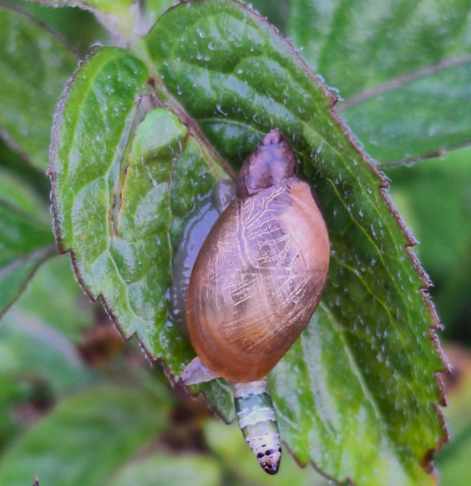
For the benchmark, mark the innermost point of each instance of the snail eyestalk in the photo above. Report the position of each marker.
(257, 421)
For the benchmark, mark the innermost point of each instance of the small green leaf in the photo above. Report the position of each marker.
(153, 9)
(119, 16)
(22, 197)
(402, 68)
(65, 309)
(35, 67)
(79, 29)
(32, 352)
(25, 235)
(85, 438)
(123, 238)
(416, 118)
(24, 245)
(166, 469)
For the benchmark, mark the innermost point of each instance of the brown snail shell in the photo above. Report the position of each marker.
(261, 271)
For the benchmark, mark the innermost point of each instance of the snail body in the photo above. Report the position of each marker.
(254, 286)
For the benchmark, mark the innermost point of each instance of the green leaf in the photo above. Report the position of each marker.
(168, 470)
(85, 438)
(123, 238)
(237, 79)
(434, 198)
(25, 235)
(24, 245)
(401, 67)
(153, 9)
(20, 196)
(453, 463)
(35, 67)
(32, 352)
(119, 16)
(80, 29)
(35, 180)
(416, 118)
(230, 78)
(54, 299)
(387, 40)
(330, 398)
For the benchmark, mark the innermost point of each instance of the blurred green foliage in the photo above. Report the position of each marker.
(78, 406)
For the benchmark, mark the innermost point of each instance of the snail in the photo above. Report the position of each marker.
(257, 279)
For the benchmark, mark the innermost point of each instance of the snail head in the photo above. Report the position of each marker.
(271, 162)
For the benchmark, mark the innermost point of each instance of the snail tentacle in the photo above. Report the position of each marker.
(196, 372)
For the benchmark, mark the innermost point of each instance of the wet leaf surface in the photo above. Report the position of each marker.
(35, 66)
(124, 230)
(229, 78)
(402, 69)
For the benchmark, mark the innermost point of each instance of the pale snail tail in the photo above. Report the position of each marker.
(257, 422)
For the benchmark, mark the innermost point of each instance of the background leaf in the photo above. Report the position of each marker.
(35, 66)
(39, 362)
(34, 180)
(435, 199)
(453, 463)
(166, 469)
(24, 245)
(401, 67)
(66, 309)
(119, 16)
(79, 29)
(418, 117)
(85, 438)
